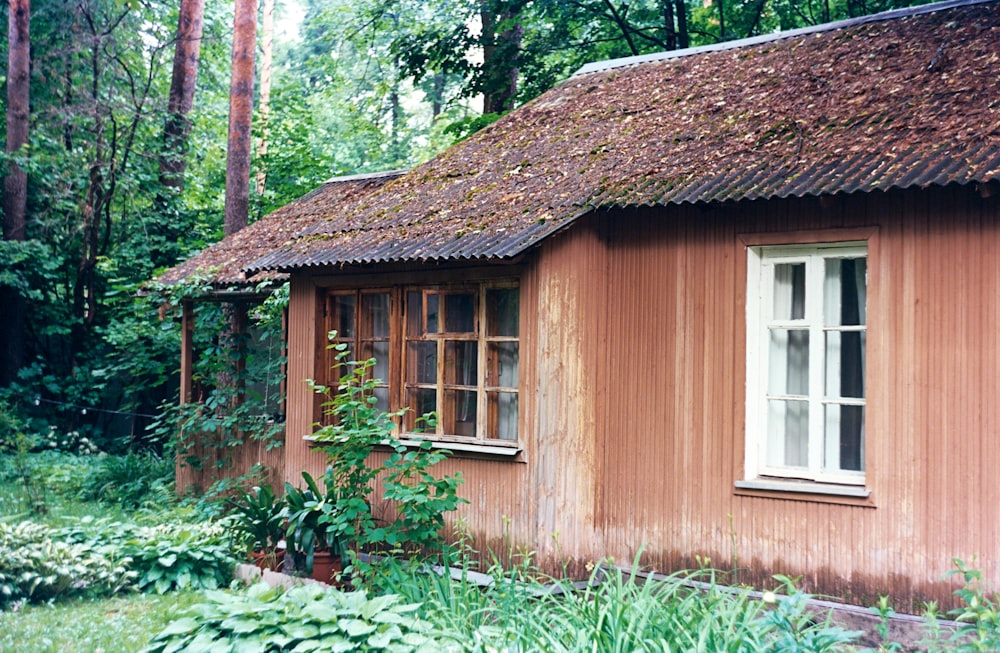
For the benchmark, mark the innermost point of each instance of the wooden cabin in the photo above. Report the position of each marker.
(734, 305)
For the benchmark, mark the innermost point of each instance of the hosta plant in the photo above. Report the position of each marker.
(305, 618)
(35, 567)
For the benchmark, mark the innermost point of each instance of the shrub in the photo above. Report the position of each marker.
(305, 618)
(36, 566)
(131, 480)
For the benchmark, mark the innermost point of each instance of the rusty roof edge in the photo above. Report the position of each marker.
(609, 64)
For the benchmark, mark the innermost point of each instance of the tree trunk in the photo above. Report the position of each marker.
(240, 116)
(15, 195)
(187, 51)
(266, 56)
(501, 55)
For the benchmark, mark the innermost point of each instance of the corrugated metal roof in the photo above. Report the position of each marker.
(910, 99)
(223, 263)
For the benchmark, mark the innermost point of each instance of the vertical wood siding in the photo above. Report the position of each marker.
(633, 375)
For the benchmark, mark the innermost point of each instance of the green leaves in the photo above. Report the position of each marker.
(303, 619)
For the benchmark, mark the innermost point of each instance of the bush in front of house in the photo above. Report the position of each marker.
(35, 566)
(305, 618)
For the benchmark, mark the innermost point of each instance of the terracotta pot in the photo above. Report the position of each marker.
(327, 567)
(266, 560)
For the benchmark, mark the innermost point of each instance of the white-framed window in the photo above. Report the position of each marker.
(806, 337)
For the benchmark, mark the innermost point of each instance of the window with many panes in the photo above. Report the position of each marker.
(806, 328)
(447, 350)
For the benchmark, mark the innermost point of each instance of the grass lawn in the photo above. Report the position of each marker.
(121, 624)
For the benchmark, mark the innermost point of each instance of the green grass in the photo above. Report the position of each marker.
(121, 624)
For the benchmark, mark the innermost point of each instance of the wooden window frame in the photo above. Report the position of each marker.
(812, 478)
(398, 339)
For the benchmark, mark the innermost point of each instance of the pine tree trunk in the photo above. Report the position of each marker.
(240, 116)
(15, 181)
(266, 57)
(187, 52)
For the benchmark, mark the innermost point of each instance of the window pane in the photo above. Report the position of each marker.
(460, 313)
(789, 291)
(503, 360)
(382, 395)
(460, 412)
(375, 315)
(788, 368)
(502, 415)
(845, 291)
(414, 314)
(502, 311)
(788, 433)
(461, 362)
(845, 438)
(419, 402)
(433, 312)
(378, 350)
(421, 362)
(845, 364)
(343, 317)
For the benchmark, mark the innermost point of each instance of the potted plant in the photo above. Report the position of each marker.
(259, 522)
(314, 532)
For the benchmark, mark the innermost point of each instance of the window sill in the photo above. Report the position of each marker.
(459, 449)
(492, 450)
(856, 495)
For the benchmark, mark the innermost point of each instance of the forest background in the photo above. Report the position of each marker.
(111, 175)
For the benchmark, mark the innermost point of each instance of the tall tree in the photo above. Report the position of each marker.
(240, 116)
(177, 124)
(266, 64)
(16, 180)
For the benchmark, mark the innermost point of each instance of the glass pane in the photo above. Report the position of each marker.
(421, 362)
(375, 315)
(433, 309)
(380, 352)
(382, 395)
(845, 291)
(460, 313)
(503, 415)
(343, 315)
(788, 367)
(414, 314)
(503, 359)
(502, 311)
(845, 364)
(788, 433)
(460, 412)
(789, 291)
(461, 366)
(845, 438)
(419, 402)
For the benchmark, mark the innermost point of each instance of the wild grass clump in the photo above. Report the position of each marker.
(614, 611)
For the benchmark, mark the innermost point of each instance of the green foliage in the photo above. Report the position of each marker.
(131, 480)
(258, 519)
(35, 566)
(315, 521)
(419, 499)
(180, 557)
(305, 618)
(979, 617)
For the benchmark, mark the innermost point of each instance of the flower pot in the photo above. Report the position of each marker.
(327, 567)
(268, 560)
